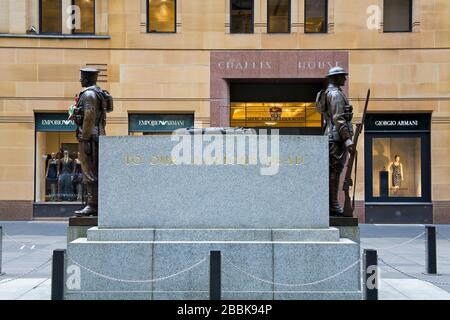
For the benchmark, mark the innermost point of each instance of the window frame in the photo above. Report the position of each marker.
(289, 19)
(40, 20)
(161, 32)
(410, 29)
(95, 18)
(326, 19)
(253, 19)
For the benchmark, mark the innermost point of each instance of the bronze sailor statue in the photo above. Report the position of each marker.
(90, 116)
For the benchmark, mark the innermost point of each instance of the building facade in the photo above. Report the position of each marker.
(248, 63)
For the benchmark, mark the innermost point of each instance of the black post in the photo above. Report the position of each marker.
(430, 250)
(215, 275)
(58, 274)
(370, 274)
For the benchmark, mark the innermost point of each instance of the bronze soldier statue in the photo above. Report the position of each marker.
(338, 114)
(90, 117)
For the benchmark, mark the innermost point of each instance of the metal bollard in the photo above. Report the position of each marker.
(215, 275)
(430, 250)
(370, 274)
(1, 249)
(58, 274)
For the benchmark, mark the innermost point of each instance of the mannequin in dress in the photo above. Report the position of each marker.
(77, 178)
(65, 178)
(52, 175)
(396, 169)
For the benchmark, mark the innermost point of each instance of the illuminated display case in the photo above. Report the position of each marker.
(398, 168)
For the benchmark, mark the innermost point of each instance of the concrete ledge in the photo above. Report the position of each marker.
(54, 36)
(205, 235)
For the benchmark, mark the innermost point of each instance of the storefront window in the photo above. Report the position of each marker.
(50, 16)
(58, 169)
(316, 16)
(241, 16)
(161, 16)
(278, 12)
(87, 8)
(397, 15)
(275, 115)
(397, 158)
(397, 167)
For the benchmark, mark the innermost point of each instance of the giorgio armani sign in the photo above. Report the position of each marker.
(398, 122)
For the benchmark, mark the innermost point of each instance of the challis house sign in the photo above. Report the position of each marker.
(267, 65)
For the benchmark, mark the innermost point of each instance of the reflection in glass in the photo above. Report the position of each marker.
(87, 8)
(275, 115)
(278, 16)
(241, 16)
(161, 15)
(397, 15)
(51, 16)
(397, 167)
(316, 12)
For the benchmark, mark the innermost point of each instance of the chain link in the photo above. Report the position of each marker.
(137, 281)
(412, 276)
(299, 284)
(402, 244)
(27, 273)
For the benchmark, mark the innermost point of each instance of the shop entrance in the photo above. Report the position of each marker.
(286, 105)
(397, 168)
(58, 188)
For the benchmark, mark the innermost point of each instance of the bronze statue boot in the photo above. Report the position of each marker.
(335, 208)
(91, 208)
(88, 211)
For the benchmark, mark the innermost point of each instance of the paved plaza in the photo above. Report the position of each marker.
(28, 246)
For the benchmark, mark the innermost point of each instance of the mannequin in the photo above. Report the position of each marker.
(396, 167)
(52, 175)
(77, 178)
(65, 178)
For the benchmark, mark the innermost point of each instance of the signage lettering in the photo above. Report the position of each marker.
(393, 123)
(267, 65)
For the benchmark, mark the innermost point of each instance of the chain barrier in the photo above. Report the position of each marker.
(401, 244)
(104, 276)
(298, 284)
(27, 273)
(412, 276)
(25, 244)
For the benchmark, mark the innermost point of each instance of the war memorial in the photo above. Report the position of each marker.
(159, 207)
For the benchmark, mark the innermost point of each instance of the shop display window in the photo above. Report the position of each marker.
(397, 167)
(58, 170)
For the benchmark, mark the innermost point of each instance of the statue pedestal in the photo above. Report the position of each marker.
(158, 224)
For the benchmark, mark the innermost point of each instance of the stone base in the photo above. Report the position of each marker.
(348, 227)
(257, 264)
(78, 227)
